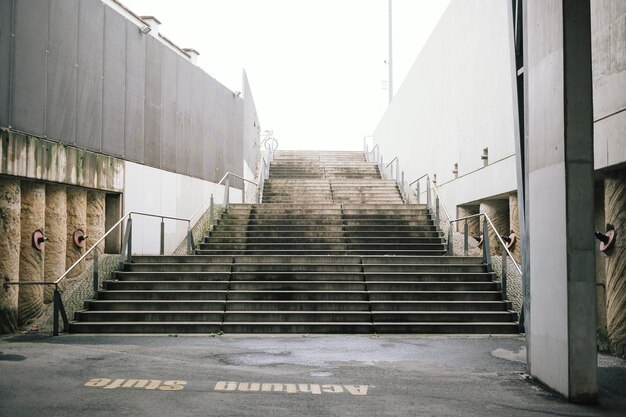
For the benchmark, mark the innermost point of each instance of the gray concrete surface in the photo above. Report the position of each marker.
(354, 375)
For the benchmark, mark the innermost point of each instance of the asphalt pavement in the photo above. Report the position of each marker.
(296, 375)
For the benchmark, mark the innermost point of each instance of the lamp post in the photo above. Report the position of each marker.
(390, 62)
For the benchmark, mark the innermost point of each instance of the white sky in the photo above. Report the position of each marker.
(316, 67)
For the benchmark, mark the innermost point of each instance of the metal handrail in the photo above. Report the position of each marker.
(496, 232)
(443, 205)
(392, 161)
(213, 192)
(414, 181)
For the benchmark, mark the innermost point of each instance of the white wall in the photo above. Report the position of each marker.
(154, 191)
(608, 54)
(457, 100)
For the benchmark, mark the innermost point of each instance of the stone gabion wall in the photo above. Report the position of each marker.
(514, 292)
(79, 289)
(200, 228)
(514, 279)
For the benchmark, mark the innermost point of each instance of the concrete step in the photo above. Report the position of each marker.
(178, 295)
(298, 316)
(330, 232)
(388, 269)
(178, 259)
(446, 328)
(169, 276)
(432, 286)
(298, 267)
(165, 285)
(235, 252)
(412, 276)
(303, 285)
(149, 316)
(146, 327)
(435, 295)
(155, 305)
(303, 327)
(260, 305)
(298, 295)
(297, 276)
(442, 316)
(439, 305)
(304, 238)
(176, 267)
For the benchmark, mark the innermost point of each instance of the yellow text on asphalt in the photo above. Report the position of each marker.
(152, 384)
(316, 389)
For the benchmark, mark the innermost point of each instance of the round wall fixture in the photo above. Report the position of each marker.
(79, 238)
(606, 239)
(38, 239)
(510, 241)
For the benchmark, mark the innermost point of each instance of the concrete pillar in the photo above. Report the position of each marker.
(615, 212)
(561, 332)
(95, 219)
(516, 250)
(10, 202)
(498, 212)
(32, 217)
(76, 219)
(56, 232)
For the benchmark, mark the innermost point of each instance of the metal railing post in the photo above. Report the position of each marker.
(96, 284)
(437, 211)
(428, 197)
(162, 245)
(397, 170)
(211, 213)
(191, 247)
(126, 241)
(504, 275)
(450, 243)
(417, 192)
(465, 238)
(486, 249)
(55, 311)
(129, 253)
(226, 192)
(58, 309)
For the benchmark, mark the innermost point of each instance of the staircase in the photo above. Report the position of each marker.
(332, 249)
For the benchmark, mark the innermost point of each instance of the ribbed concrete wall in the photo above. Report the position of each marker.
(498, 212)
(516, 250)
(95, 220)
(56, 232)
(10, 201)
(76, 219)
(32, 218)
(615, 212)
(473, 224)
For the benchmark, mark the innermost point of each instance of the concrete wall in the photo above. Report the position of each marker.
(608, 19)
(30, 157)
(457, 100)
(81, 73)
(155, 191)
